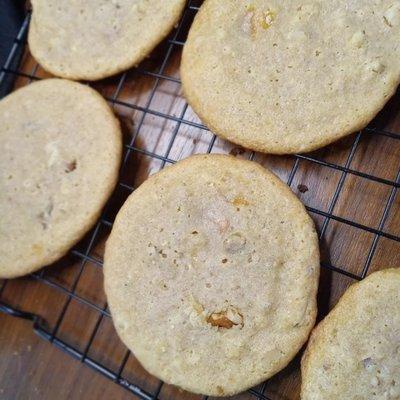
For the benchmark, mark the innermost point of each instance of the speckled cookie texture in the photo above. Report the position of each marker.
(211, 274)
(291, 76)
(354, 353)
(92, 39)
(60, 154)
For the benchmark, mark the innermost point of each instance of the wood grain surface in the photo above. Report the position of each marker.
(160, 128)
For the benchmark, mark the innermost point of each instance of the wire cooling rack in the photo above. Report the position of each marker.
(349, 188)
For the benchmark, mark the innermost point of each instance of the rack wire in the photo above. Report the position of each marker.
(342, 187)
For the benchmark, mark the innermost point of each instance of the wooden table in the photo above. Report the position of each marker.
(32, 369)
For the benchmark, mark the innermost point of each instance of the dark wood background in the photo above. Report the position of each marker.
(150, 105)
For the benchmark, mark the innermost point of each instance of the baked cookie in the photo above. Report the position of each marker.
(60, 154)
(211, 274)
(92, 39)
(354, 353)
(283, 76)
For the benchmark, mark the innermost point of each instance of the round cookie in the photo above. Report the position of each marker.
(283, 76)
(60, 155)
(211, 274)
(354, 353)
(91, 39)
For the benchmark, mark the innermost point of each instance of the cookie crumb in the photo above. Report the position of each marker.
(237, 151)
(302, 188)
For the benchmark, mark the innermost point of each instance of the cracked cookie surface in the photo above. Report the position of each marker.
(211, 274)
(60, 154)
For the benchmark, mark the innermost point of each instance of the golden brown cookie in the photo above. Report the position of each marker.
(60, 154)
(283, 76)
(354, 353)
(211, 274)
(91, 39)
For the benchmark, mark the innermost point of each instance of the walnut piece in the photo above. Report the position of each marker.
(269, 18)
(70, 166)
(234, 243)
(226, 319)
(254, 19)
(240, 201)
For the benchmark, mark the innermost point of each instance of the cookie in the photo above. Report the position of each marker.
(282, 76)
(60, 154)
(211, 273)
(354, 353)
(91, 39)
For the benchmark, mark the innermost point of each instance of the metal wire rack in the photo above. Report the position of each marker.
(349, 188)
